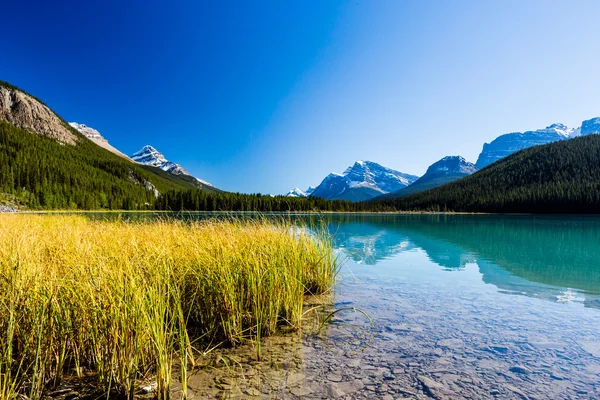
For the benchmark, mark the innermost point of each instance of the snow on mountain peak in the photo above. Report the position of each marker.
(87, 131)
(362, 180)
(509, 143)
(591, 126)
(561, 129)
(148, 155)
(452, 164)
(296, 192)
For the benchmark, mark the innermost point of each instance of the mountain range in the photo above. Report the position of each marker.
(509, 143)
(48, 163)
(450, 168)
(362, 181)
(559, 177)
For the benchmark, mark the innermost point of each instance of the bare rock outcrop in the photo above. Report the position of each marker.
(25, 112)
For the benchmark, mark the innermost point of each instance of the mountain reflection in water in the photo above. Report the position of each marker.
(539, 256)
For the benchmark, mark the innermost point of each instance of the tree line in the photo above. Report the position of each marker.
(561, 177)
(40, 173)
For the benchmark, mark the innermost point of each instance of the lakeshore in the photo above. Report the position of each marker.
(115, 304)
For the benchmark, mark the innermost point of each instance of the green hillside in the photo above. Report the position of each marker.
(39, 172)
(561, 177)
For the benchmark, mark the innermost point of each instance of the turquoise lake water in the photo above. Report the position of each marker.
(476, 306)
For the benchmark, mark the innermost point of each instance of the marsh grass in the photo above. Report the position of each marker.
(121, 302)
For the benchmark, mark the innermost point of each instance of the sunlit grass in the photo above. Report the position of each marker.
(120, 302)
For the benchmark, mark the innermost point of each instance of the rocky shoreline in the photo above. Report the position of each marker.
(8, 209)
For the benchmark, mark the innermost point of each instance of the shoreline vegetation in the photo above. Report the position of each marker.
(119, 303)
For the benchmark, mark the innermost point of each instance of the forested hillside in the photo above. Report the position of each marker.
(561, 177)
(46, 164)
(42, 173)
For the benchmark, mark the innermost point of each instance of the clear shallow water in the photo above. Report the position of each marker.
(462, 307)
(476, 306)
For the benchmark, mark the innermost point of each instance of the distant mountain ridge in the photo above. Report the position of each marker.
(559, 177)
(297, 192)
(505, 145)
(148, 155)
(362, 181)
(446, 170)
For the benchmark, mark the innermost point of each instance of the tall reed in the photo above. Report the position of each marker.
(121, 302)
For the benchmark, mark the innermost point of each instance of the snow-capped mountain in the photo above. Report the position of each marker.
(96, 137)
(444, 171)
(509, 143)
(148, 155)
(362, 181)
(297, 192)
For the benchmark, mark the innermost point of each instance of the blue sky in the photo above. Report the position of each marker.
(265, 96)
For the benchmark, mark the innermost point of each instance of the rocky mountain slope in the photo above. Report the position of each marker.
(590, 127)
(446, 170)
(46, 163)
(26, 112)
(509, 143)
(96, 137)
(362, 181)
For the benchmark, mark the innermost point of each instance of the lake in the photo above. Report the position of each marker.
(455, 306)
(472, 306)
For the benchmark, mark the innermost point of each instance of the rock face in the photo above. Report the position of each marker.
(147, 185)
(446, 170)
(97, 138)
(509, 143)
(591, 126)
(148, 155)
(25, 112)
(450, 165)
(362, 181)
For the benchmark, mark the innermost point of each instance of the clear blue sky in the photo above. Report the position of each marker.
(264, 96)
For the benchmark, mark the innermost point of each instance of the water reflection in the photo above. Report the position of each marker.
(546, 257)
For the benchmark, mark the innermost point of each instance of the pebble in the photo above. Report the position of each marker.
(520, 369)
(252, 391)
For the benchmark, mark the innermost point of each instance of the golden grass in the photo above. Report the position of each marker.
(123, 301)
